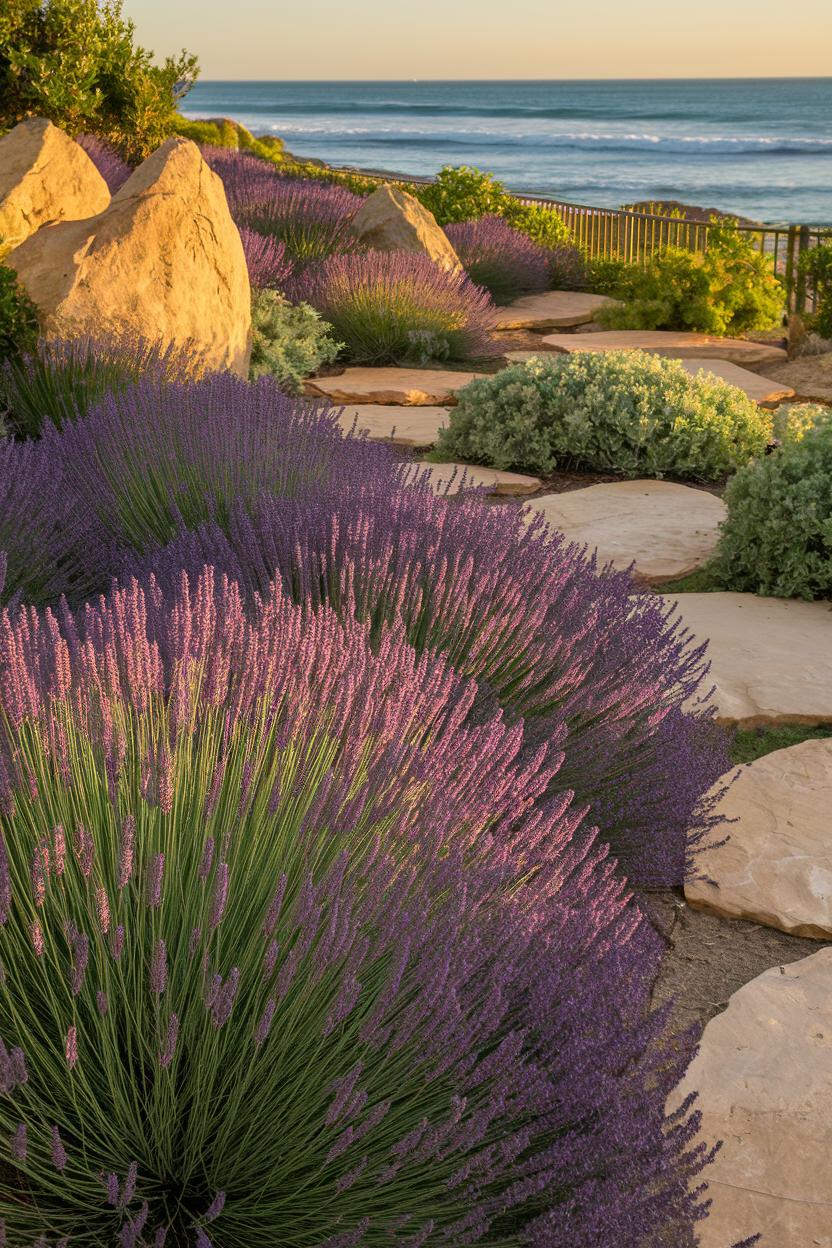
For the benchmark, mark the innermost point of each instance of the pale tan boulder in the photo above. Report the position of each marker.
(44, 176)
(392, 220)
(450, 478)
(771, 658)
(432, 387)
(764, 1078)
(403, 426)
(666, 530)
(776, 866)
(163, 261)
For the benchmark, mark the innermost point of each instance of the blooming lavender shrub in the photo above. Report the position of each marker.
(266, 260)
(399, 307)
(513, 605)
(503, 260)
(291, 954)
(106, 159)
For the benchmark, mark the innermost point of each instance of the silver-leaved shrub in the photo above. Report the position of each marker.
(619, 411)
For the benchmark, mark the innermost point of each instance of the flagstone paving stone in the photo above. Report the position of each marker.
(403, 426)
(764, 1087)
(677, 345)
(667, 530)
(551, 309)
(400, 386)
(763, 390)
(771, 658)
(451, 478)
(776, 866)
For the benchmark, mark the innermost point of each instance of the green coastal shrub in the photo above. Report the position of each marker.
(18, 317)
(730, 289)
(75, 62)
(465, 194)
(618, 411)
(289, 341)
(816, 265)
(226, 133)
(777, 537)
(792, 421)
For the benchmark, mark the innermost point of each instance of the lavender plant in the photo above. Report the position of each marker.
(513, 605)
(106, 159)
(268, 266)
(503, 260)
(399, 307)
(291, 954)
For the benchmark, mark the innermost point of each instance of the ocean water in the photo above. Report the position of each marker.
(759, 147)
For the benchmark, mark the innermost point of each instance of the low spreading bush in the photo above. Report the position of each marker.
(466, 194)
(291, 956)
(730, 289)
(226, 133)
(107, 161)
(777, 536)
(528, 617)
(540, 222)
(792, 421)
(399, 307)
(18, 318)
(269, 268)
(505, 261)
(289, 341)
(816, 266)
(61, 380)
(618, 411)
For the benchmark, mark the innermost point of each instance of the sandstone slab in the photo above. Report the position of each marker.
(771, 658)
(392, 220)
(551, 309)
(453, 478)
(44, 176)
(164, 261)
(408, 426)
(763, 390)
(777, 866)
(810, 377)
(406, 387)
(764, 1078)
(676, 345)
(666, 530)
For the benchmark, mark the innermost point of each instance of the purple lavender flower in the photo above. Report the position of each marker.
(503, 260)
(155, 876)
(59, 1157)
(268, 265)
(216, 1207)
(72, 1047)
(399, 307)
(220, 895)
(171, 1036)
(159, 968)
(128, 842)
(104, 156)
(18, 1142)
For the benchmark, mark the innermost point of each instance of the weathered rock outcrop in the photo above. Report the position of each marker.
(393, 220)
(163, 261)
(44, 177)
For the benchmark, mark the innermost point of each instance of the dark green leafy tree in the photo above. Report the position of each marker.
(76, 62)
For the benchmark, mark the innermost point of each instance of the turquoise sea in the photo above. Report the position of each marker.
(758, 147)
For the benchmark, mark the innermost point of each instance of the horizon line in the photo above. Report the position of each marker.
(673, 78)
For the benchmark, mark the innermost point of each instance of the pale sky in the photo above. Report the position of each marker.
(403, 39)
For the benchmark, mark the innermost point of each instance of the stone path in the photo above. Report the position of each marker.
(404, 386)
(771, 658)
(762, 390)
(667, 530)
(552, 309)
(676, 345)
(452, 478)
(776, 868)
(764, 1077)
(403, 426)
(811, 377)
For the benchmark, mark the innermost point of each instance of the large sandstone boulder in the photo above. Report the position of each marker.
(764, 1078)
(776, 866)
(392, 220)
(163, 261)
(44, 177)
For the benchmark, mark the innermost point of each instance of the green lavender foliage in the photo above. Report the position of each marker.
(289, 341)
(777, 537)
(619, 411)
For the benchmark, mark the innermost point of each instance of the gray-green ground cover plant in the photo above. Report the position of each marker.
(619, 411)
(289, 341)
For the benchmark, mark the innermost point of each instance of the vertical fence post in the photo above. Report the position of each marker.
(800, 276)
